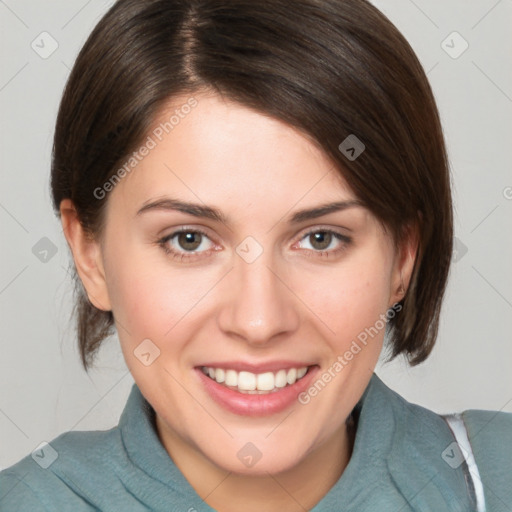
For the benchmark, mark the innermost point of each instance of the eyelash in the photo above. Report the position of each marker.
(163, 243)
(181, 255)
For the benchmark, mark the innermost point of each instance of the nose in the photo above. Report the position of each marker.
(259, 304)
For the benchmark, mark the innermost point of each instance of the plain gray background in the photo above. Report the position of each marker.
(43, 389)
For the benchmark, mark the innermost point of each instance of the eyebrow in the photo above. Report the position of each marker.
(208, 212)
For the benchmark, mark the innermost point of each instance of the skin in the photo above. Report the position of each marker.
(294, 302)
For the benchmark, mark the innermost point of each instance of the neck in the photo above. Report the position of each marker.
(297, 489)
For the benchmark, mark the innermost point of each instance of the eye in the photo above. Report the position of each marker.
(324, 242)
(186, 243)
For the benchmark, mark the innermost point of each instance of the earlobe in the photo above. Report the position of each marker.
(405, 263)
(87, 256)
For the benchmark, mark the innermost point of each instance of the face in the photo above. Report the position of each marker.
(244, 305)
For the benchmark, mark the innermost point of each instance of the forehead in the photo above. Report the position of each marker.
(221, 151)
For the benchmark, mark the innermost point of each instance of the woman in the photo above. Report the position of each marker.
(255, 194)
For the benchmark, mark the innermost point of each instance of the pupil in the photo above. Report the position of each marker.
(189, 241)
(321, 240)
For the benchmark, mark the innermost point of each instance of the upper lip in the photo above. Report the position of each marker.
(269, 366)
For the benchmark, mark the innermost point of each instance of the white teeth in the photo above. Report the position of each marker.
(231, 378)
(220, 375)
(280, 379)
(252, 383)
(291, 376)
(265, 381)
(246, 381)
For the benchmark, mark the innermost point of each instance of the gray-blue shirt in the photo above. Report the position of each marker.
(399, 463)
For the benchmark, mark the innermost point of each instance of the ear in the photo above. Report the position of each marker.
(404, 263)
(87, 256)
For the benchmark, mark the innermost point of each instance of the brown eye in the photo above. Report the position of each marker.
(324, 243)
(189, 240)
(187, 245)
(320, 240)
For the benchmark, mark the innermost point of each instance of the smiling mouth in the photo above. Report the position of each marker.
(255, 383)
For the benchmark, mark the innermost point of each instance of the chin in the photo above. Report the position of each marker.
(254, 459)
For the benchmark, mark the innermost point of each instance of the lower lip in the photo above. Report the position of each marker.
(256, 405)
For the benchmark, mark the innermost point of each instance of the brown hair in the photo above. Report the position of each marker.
(329, 68)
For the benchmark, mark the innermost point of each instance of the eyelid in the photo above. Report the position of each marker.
(192, 255)
(327, 229)
(344, 243)
(163, 242)
(302, 234)
(189, 229)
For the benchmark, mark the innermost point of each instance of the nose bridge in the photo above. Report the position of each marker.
(259, 305)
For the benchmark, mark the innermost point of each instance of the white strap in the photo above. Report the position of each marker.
(456, 423)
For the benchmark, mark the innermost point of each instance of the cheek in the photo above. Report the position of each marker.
(349, 298)
(150, 298)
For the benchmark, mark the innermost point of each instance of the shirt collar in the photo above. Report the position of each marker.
(144, 448)
(394, 440)
(397, 458)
